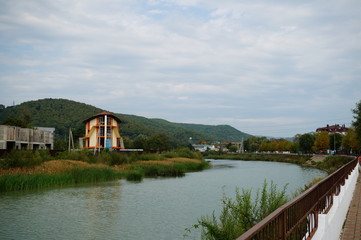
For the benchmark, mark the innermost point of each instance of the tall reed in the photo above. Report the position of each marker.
(240, 214)
(77, 175)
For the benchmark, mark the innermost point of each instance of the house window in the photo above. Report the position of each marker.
(101, 131)
(109, 133)
(101, 120)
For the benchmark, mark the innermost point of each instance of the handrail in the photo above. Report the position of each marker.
(298, 219)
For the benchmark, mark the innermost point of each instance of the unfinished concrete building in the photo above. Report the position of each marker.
(12, 137)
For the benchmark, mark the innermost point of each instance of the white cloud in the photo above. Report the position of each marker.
(236, 59)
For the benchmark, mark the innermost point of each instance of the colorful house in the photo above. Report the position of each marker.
(102, 131)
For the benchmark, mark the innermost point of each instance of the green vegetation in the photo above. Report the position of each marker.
(22, 169)
(332, 163)
(162, 169)
(64, 114)
(240, 214)
(290, 158)
(24, 158)
(357, 124)
(14, 182)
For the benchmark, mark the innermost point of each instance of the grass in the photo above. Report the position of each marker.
(332, 163)
(27, 181)
(172, 167)
(24, 170)
(240, 214)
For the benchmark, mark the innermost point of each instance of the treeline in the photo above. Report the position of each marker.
(307, 143)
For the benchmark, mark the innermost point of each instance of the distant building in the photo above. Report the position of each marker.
(102, 131)
(204, 147)
(12, 137)
(342, 129)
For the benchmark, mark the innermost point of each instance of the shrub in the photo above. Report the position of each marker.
(332, 163)
(240, 214)
(24, 158)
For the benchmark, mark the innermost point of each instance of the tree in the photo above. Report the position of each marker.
(17, 122)
(159, 142)
(253, 144)
(140, 142)
(322, 142)
(349, 141)
(306, 142)
(335, 141)
(357, 122)
(233, 148)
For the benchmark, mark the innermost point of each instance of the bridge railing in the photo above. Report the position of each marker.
(298, 219)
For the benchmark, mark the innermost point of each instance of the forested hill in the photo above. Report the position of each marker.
(64, 114)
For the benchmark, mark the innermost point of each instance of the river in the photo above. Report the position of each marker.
(156, 208)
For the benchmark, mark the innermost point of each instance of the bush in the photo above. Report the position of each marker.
(240, 214)
(24, 158)
(332, 163)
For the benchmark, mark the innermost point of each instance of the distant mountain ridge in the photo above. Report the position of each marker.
(64, 114)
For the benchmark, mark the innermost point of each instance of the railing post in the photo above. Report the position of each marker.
(281, 226)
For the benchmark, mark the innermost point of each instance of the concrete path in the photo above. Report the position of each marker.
(352, 225)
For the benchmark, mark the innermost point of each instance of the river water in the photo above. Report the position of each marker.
(156, 208)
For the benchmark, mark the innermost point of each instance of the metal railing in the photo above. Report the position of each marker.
(298, 219)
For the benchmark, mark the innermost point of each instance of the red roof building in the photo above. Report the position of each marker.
(333, 129)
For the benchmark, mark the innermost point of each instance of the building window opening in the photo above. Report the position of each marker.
(101, 120)
(101, 131)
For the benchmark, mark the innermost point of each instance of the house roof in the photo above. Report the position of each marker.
(333, 128)
(102, 114)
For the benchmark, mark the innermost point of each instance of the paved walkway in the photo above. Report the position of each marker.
(352, 226)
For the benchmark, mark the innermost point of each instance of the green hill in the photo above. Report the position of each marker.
(64, 114)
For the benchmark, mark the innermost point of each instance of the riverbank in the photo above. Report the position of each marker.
(57, 173)
(27, 170)
(328, 163)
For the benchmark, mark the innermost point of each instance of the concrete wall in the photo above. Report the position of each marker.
(330, 224)
(26, 138)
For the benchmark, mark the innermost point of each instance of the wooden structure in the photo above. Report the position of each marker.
(102, 131)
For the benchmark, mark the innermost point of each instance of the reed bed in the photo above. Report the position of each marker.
(28, 181)
(25, 170)
(173, 167)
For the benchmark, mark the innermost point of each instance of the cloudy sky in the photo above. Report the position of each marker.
(274, 68)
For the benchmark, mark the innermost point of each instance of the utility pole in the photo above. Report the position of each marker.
(71, 140)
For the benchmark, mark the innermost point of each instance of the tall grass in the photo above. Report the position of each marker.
(183, 152)
(240, 214)
(77, 175)
(138, 171)
(332, 163)
(21, 171)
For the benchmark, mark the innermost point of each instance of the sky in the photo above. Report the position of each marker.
(272, 68)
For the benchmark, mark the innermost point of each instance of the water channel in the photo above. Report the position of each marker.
(156, 208)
